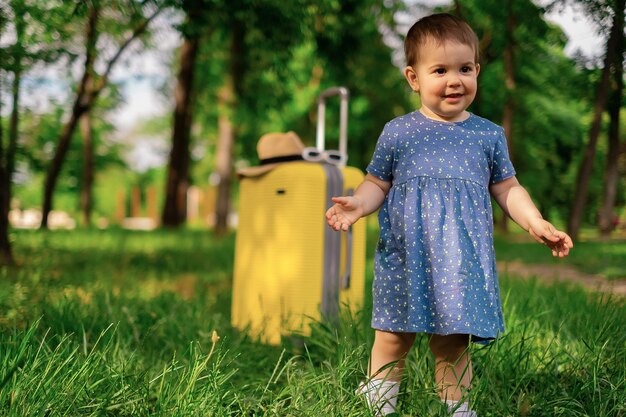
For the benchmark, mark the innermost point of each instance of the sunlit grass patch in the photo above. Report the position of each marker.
(604, 257)
(122, 323)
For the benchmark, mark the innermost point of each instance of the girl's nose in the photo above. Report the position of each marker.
(454, 80)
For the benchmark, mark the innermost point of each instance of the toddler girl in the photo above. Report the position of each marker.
(432, 175)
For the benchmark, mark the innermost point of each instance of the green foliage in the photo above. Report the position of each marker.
(340, 43)
(51, 32)
(550, 98)
(38, 135)
(292, 51)
(42, 33)
(350, 42)
(81, 334)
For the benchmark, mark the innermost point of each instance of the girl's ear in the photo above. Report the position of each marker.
(411, 78)
(477, 69)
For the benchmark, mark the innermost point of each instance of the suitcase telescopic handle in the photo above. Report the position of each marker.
(344, 94)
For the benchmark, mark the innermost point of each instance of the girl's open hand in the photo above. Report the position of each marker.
(346, 211)
(544, 232)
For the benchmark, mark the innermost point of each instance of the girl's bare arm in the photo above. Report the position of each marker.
(367, 198)
(517, 204)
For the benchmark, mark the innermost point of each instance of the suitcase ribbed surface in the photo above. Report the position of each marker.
(279, 253)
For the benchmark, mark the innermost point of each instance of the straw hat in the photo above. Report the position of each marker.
(274, 149)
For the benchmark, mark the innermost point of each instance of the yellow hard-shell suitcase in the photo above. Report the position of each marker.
(290, 267)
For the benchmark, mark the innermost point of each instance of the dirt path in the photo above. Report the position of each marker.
(563, 273)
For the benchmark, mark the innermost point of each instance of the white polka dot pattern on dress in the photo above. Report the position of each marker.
(435, 268)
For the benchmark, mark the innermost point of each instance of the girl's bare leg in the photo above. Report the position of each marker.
(389, 351)
(389, 347)
(453, 367)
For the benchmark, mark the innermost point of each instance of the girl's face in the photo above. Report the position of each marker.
(445, 77)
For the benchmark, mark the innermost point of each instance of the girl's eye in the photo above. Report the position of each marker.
(466, 69)
(440, 71)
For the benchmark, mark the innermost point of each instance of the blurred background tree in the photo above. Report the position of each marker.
(609, 16)
(39, 38)
(530, 87)
(244, 68)
(117, 24)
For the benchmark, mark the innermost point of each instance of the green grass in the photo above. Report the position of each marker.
(119, 323)
(603, 257)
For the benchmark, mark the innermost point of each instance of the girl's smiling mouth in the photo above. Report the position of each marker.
(453, 98)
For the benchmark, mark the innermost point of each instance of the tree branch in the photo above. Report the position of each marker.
(140, 29)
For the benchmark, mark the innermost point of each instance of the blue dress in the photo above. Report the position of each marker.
(435, 269)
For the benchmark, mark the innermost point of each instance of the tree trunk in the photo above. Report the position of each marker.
(611, 173)
(175, 208)
(227, 101)
(586, 167)
(509, 103)
(81, 105)
(86, 192)
(224, 157)
(7, 162)
(88, 91)
(6, 253)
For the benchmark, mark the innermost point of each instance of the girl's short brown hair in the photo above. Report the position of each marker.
(440, 27)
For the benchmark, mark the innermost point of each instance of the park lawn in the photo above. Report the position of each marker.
(120, 323)
(606, 258)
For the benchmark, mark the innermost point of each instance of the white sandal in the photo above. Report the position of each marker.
(381, 395)
(460, 410)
